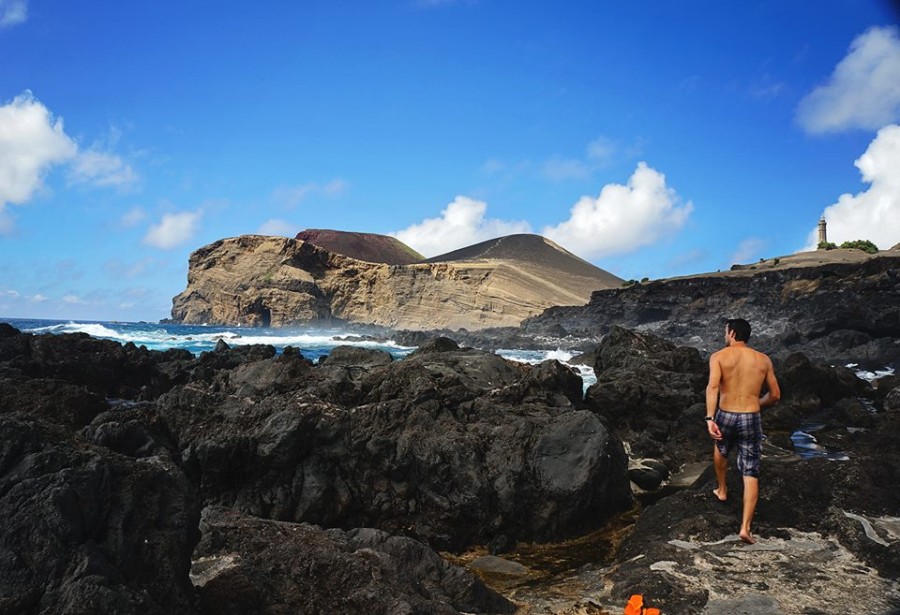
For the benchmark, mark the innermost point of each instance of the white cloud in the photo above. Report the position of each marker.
(31, 141)
(864, 89)
(13, 12)
(748, 250)
(173, 230)
(10, 293)
(622, 218)
(101, 169)
(461, 224)
(133, 217)
(279, 228)
(291, 196)
(39, 298)
(873, 214)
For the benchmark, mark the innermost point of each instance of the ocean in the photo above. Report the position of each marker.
(312, 343)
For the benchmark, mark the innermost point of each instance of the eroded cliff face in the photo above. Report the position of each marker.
(256, 280)
(842, 307)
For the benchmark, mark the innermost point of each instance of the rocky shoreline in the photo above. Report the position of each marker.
(244, 482)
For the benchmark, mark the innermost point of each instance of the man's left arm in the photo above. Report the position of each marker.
(712, 396)
(774, 393)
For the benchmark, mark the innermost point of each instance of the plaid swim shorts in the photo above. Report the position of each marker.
(743, 429)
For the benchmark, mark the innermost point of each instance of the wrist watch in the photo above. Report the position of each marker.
(709, 418)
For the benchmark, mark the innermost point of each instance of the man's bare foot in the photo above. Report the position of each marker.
(722, 496)
(746, 537)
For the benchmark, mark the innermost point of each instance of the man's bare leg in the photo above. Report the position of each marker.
(721, 464)
(751, 495)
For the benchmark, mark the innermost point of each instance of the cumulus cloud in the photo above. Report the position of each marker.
(173, 230)
(291, 196)
(13, 12)
(462, 223)
(873, 214)
(31, 142)
(279, 228)
(864, 89)
(74, 300)
(622, 218)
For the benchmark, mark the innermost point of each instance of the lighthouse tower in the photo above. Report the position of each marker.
(823, 238)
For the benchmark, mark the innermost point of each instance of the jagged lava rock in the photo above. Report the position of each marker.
(245, 565)
(455, 447)
(87, 530)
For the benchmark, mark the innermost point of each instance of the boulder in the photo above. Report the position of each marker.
(245, 566)
(644, 383)
(454, 447)
(88, 530)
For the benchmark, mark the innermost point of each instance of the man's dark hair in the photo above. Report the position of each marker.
(740, 327)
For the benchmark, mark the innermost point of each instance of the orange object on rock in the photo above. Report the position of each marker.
(635, 606)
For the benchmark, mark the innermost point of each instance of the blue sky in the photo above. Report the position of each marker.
(652, 138)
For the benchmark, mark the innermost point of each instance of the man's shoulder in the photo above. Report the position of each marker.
(762, 357)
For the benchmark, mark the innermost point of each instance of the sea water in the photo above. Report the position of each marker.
(312, 343)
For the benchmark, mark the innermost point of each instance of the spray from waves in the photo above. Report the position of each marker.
(313, 343)
(92, 329)
(533, 357)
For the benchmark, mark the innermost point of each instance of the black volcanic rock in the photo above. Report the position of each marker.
(103, 367)
(86, 530)
(836, 312)
(455, 447)
(813, 520)
(247, 566)
(644, 383)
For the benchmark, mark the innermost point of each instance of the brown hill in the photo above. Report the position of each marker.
(367, 247)
(528, 250)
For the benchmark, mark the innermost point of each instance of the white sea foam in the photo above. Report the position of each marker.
(871, 375)
(533, 357)
(92, 329)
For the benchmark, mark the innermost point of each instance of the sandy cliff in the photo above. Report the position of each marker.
(256, 280)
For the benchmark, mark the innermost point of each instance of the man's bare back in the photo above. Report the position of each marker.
(743, 371)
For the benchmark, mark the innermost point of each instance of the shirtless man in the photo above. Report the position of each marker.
(736, 375)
